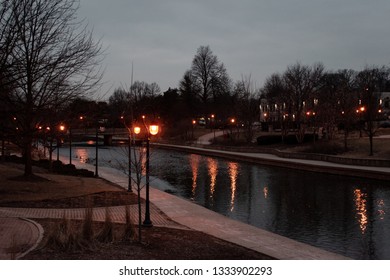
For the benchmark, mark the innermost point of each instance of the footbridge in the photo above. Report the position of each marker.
(108, 134)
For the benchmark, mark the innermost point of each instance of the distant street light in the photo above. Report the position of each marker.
(61, 129)
(193, 125)
(102, 129)
(213, 125)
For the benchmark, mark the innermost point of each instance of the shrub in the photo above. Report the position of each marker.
(107, 233)
(87, 230)
(130, 232)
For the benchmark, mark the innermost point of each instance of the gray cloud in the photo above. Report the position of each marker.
(256, 37)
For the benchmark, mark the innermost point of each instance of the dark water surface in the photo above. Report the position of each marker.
(345, 215)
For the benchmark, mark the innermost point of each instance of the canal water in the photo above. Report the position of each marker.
(345, 215)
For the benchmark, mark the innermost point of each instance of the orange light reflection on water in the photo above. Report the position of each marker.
(212, 166)
(233, 174)
(194, 163)
(381, 211)
(361, 209)
(82, 155)
(265, 192)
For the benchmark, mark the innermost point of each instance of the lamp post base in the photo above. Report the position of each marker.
(147, 223)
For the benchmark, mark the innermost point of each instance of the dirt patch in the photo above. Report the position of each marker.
(56, 190)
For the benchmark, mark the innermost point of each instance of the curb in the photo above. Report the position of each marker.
(40, 230)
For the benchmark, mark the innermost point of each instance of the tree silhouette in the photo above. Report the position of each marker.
(54, 59)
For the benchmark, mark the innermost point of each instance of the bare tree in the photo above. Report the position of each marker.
(143, 90)
(371, 82)
(301, 83)
(189, 91)
(7, 43)
(120, 103)
(209, 75)
(137, 175)
(275, 92)
(247, 105)
(327, 103)
(347, 96)
(54, 60)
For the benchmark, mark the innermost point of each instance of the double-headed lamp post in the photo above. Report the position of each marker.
(61, 129)
(150, 130)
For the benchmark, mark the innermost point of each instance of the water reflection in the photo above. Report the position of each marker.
(361, 209)
(194, 163)
(212, 165)
(83, 155)
(233, 174)
(381, 209)
(265, 192)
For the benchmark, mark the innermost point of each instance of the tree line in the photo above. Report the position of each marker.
(302, 97)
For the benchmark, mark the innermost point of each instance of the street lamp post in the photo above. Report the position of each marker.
(151, 130)
(129, 128)
(193, 125)
(96, 150)
(213, 125)
(129, 147)
(61, 129)
(70, 145)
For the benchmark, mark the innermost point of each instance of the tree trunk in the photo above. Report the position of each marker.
(27, 158)
(139, 215)
(345, 139)
(371, 144)
(51, 155)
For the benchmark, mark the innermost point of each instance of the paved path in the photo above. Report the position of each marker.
(207, 138)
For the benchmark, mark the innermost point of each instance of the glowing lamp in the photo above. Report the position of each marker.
(153, 129)
(137, 130)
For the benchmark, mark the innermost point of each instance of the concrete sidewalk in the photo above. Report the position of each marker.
(371, 172)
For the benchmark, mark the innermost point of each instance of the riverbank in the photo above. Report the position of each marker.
(362, 171)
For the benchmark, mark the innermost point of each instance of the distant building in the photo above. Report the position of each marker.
(384, 103)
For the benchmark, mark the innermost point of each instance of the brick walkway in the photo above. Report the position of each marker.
(19, 234)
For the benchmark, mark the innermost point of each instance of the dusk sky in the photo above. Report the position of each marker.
(251, 37)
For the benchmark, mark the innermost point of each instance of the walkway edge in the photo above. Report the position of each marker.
(39, 230)
(379, 173)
